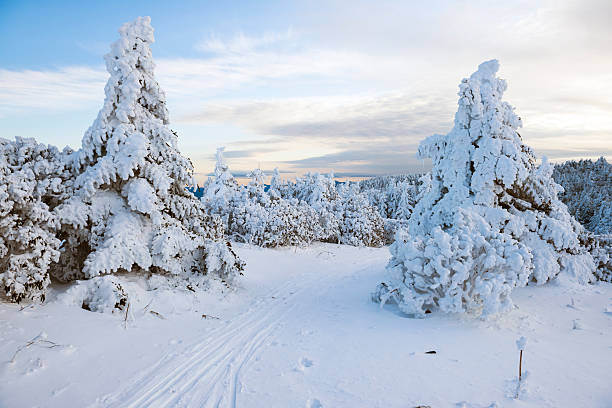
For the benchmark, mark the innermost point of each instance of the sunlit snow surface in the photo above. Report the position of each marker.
(301, 331)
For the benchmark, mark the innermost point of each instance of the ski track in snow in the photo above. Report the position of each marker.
(207, 373)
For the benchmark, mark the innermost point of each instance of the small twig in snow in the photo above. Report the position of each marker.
(127, 311)
(153, 312)
(147, 306)
(36, 340)
(205, 316)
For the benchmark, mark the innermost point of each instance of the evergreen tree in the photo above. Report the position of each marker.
(320, 193)
(587, 192)
(359, 223)
(33, 181)
(488, 219)
(222, 191)
(131, 209)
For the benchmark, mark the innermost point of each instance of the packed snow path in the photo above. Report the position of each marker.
(300, 331)
(209, 371)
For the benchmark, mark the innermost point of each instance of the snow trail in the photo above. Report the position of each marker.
(207, 373)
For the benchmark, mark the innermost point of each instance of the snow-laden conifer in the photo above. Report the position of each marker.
(33, 181)
(319, 192)
(131, 208)
(266, 219)
(221, 191)
(587, 192)
(488, 219)
(278, 188)
(359, 222)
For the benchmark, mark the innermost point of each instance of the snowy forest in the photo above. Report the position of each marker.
(491, 216)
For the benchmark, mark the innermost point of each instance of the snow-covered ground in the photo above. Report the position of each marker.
(301, 331)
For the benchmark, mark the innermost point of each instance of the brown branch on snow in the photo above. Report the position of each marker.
(36, 340)
(147, 306)
(125, 319)
(153, 312)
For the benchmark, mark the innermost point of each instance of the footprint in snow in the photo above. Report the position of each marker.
(314, 403)
(577, 325)
(303, 364)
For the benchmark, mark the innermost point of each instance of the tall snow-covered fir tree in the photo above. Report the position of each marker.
(131, 208)
(488, 219)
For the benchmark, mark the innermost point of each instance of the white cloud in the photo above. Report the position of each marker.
(66, 88)
(372, 78)
(243, 44)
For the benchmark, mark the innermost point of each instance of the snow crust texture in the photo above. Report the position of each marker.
(488, 218)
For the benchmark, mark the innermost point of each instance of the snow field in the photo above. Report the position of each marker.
(301, 331)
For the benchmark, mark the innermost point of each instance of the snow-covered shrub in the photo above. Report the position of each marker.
(103, 294)
(291, 213)
(359, 223)
(488, 219)
(131, 209)
(278, 188)
(33, 181)
(587, 192)
(266, 219)
(221, 192)
(320, 193)
(600, 247)
(394, 197)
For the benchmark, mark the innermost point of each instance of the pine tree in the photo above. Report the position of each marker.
(488, 219)
(131, 209)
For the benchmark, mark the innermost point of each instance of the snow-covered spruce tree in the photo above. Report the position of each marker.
(488, 220)
(222, 191)
(33, 181)
(587, 192)
(249, 211)
(131, 209)
(320, 193)
(393, 196)
(359, 222)
(404, 198)
(277, 188)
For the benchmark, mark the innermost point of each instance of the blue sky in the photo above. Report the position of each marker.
(349, 86)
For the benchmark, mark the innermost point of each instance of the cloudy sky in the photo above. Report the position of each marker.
(350, 86)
